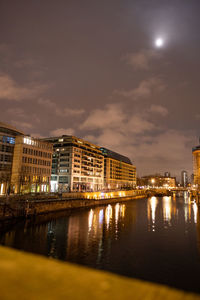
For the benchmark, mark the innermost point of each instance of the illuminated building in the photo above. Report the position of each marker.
(196, 165)
(157, 181)
(7, 143)
(119, 171)
(184, 178)
(31, 170)
(77, 165)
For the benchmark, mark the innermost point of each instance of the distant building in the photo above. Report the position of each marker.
(196, 165)
(167, 174)
(7, 143)
(119, 171)
(31, 169)
(192, 178)
(77, 165)
(184, 178)
(157, 181)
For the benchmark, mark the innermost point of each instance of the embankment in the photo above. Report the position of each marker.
(29, 205)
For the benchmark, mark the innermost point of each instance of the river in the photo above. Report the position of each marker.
(155, 239)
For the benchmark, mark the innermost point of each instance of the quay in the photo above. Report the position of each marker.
(24, 206)
(29, 205)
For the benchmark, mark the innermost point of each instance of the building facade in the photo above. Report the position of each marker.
(184, 178)
(156, 181)
(77, 165)
(196, 165)
(7, 143)
(119, 171)
(31, 169)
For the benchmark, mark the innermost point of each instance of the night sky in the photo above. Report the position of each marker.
(91, 69)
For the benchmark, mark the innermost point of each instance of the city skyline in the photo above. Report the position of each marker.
(94, 71)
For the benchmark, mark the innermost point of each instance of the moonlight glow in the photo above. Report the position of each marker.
(159, 42)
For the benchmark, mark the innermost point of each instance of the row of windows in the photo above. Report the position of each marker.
(36, 143)
(64, 171)
(71, 144)
(7, 139)
(76, 166)
(36, 152)
(5, 148)
(64, 154)
(36, 161)
(64, 159)
(63, 179)
(5, 167)
(76, 160)
(34, 179)
(63, 165)
(4, 157)
(35, 170)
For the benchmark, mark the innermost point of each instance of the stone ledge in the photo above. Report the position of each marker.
(26, 276)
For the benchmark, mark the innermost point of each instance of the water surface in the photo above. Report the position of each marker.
(155, 239)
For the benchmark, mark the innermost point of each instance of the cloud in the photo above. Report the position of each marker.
(138, 124)
(110, 116)
(17, 112)
(62, 131)
(145, 89)
(69, 112)
(37, 135)
(113, 116)
(25, 62)
(151, 148)
(170, 150)
(22, 125)
(11, 90)
(60, 112)
(4, 49)
(108, 138)
(197, 116)
(159, 109)
(141, 60)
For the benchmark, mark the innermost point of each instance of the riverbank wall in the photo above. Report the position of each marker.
(26, 206)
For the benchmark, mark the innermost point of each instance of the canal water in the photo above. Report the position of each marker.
(155, 239)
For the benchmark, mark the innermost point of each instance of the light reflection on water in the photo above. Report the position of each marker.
(156, 239)
(171, 210)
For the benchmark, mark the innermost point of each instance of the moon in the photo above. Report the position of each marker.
(159, 42)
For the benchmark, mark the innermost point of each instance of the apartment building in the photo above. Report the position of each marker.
(157, 180)
(77, 165)
(119, 171)
(31, 169)
(196, 165)
(8, 134)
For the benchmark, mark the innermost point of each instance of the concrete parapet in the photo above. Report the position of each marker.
(27, 276)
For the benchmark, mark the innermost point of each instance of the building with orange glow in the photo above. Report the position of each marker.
(31, 169)
(196, 165)
(157, 180)
(119, 171)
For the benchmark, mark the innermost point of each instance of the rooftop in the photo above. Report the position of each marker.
(11, 128)
(111, 154)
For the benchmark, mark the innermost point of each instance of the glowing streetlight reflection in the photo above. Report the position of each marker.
(153, 205)
(90, 219)
(101, 217)
(108, 214)
(167, 208)
(117, 212)
(195, 210)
